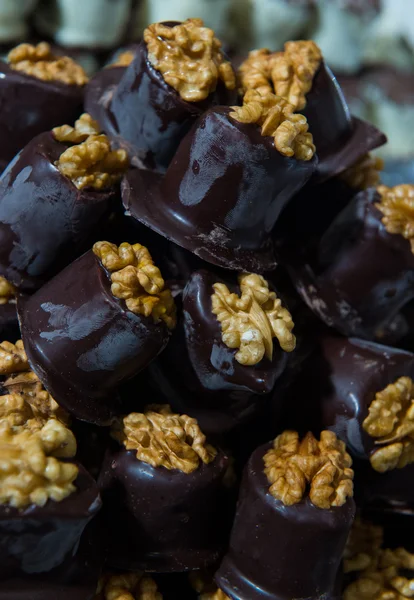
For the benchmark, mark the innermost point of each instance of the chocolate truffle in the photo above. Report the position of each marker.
(38, 91)
(166, 494)
(287, 542)
(98, 322)
(227, 352)
(229, 180)
(362, 272)
(177, 72)
(340, 139)
(52, 197)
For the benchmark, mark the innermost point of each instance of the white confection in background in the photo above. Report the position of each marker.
(85, 23)
(340, 34)
(214, 13)
(390, 38)
(274, 22)
(13, 15)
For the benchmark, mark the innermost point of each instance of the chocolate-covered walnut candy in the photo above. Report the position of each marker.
(166, 493)
(52, 198)
(230, 178)
(300, 75)
(178, 71)
(230, 346)
(294, 492)
(95, 324)
(38, 91)
(362, 271)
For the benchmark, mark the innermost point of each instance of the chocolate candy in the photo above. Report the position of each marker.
(391, 493)
(362, 275)
(82, 341)
(221, 170)
(142, 113)
(199, 374)
(164, 519)
(44, 218)
(273, 551)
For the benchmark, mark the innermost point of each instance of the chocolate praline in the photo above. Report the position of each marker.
(164, 520)
(282, 552)
(44, 218)
(199, 374)
(31, 106)
(82, 342)
(222, 193)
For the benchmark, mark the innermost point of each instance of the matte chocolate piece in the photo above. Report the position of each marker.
(199, 375)
(340, 138)
(337, 385)
(222, 193)
(282, 552)
(37, 540)
(44, 218)
(391, 493)
(360, 275)
(30, 106)
(142, 113)
(82, 342)
(160, 520)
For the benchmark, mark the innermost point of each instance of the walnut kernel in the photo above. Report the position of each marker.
(217, 595)
(40, 62)
(325, 466)
(137, 280)
(277, 119)
(12, 358)
(164, 439)
(189, 58)
(127, 586)
(397, 206)
(391, 421)
(363, 546)
(90, 162)
(364, 173)
(251, 321)
(7, 291)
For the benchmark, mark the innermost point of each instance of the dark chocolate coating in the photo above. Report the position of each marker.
(361, 275)
(222, 193)
(337, 385)
(38, 539)
(82, 342)
(143, 113)
(282, 552)
(199, 374)
(30, 106)
(340, 138)
(391, 492)
(160, 520)
(44, 218)
(9, 325)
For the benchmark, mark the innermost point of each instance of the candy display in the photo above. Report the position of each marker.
(206, 292)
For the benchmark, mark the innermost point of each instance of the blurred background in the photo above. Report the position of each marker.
(369, 44)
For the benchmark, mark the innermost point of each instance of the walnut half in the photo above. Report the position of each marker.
(365, 173)
(189, 58)
(325, 466)
(12, 358)
(397, 206)
(277, 119)
(137, 280)
(7, 291)
(251, 321)
(164, 439)
(363, 546)
(127, 586)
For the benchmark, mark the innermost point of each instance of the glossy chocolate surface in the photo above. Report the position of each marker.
(160, 520)
(37, 539)
(30, 106)
(390, 493)
(361, 275)
(337, 385)
(44, 218)
(279, 552)
(82, 342)
(9, 325)
(199, 374)
(222, 193)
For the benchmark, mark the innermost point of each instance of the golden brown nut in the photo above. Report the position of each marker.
(251, 321)
(127, 586)
(12, 358)
(164, 439)
(137, 280)
(276, 118)
(397, 206)
(40, 62)
(7, 291)
(363, 546)
(292, 465)
(189, 58)
(365, 173)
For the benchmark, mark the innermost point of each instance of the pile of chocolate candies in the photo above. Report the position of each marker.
(206, 308)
